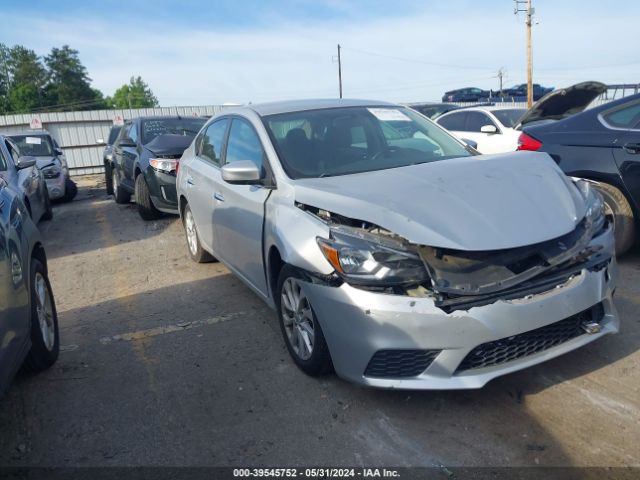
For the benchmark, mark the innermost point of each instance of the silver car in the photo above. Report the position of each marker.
(390, 252)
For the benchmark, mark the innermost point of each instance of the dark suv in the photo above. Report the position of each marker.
(28, 320)
(145, 161)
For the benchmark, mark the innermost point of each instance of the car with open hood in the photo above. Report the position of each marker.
(391, 252)
(601, 144)
(50, 159)
(25, 178)
(145, 160)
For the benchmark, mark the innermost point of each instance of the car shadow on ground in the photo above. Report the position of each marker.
(101, 221)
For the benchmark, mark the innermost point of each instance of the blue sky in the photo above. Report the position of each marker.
(207, 52)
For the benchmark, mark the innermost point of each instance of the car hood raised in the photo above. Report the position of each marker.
(487, 202)
(564, 102)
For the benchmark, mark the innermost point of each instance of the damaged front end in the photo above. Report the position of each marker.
(370, 257)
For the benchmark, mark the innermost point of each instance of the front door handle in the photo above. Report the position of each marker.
(190, 181)
(218, 196)
(632, 148)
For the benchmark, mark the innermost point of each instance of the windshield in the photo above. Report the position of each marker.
(36, 145)
(153, 128)
(509, 117)
(341, 141)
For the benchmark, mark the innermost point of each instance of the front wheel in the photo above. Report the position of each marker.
(48, 209)
(196, 252)
(70, 190)
(108, 178)
(45, 339)
(300, 328)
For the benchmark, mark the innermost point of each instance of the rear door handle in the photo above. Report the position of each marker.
(632, 148)
(218, 196)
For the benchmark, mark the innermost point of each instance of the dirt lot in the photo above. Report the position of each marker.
(166, 362)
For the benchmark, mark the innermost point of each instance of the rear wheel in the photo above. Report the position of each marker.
(619, 209)
(146, 209)
(301, 331)
(196, 252)
(45, 339)
(108, 178)
(119, 193)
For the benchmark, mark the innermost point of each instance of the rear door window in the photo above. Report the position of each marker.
(453, 121)
(625, 117)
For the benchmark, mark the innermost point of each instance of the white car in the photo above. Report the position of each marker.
(492, 128)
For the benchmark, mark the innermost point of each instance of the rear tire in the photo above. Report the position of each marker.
(623, 221)
(70, 190)
(196, 252)
(45, 338)
(299, 326)
(146, 209)
(120, 194)
(108, 179)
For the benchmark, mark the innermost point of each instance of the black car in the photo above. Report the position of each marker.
(470, 94)
(601, 144)
(107, 155)
(145, 160)
(521, 91)
(432, 110)
(28, 319)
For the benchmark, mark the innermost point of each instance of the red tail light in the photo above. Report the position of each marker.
(525, 142)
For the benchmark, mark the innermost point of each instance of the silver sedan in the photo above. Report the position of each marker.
(390, 251)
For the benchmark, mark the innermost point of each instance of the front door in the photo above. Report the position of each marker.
(239, 209)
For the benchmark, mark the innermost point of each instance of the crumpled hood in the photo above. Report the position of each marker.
(486, 202)
(42, 162)
(169, 144)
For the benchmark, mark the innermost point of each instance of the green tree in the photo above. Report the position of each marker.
(69, 86)
(135, 94)
(24, 79)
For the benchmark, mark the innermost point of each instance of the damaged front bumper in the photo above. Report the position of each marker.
(401, 341)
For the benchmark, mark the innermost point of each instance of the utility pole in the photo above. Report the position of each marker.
(500, 76)
(339, 72)
(529, 10)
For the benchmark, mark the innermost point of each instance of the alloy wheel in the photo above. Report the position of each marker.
(190, 228)
(297, 316)
(44, 310)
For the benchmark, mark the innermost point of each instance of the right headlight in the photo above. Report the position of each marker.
(52, 172)
(362, 258)
(595, 213)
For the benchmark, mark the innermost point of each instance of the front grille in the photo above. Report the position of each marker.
(524, 344)
(399, 363)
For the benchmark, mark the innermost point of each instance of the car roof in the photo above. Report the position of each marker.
(289, 106)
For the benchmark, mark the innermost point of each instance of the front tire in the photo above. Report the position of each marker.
(108, 178)
(70, 190)
(623, 222)
(146, 209)
(48, 209)
(196, 252)
(299, 326)
(45, 338)
(120, 194)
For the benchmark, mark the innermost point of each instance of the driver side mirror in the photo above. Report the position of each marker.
(242, 172)
(490, 129)
(58, 151)
(25, 162)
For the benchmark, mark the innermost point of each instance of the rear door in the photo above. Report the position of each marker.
(239, 211)
(129, 156)
(627, 149)
(202, 176)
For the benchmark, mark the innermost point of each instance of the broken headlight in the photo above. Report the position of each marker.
(363, 258)
(595, 214)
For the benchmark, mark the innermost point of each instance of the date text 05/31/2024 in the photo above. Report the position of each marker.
(317, 472)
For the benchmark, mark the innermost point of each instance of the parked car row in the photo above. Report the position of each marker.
(473, 94)
(28, 319)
